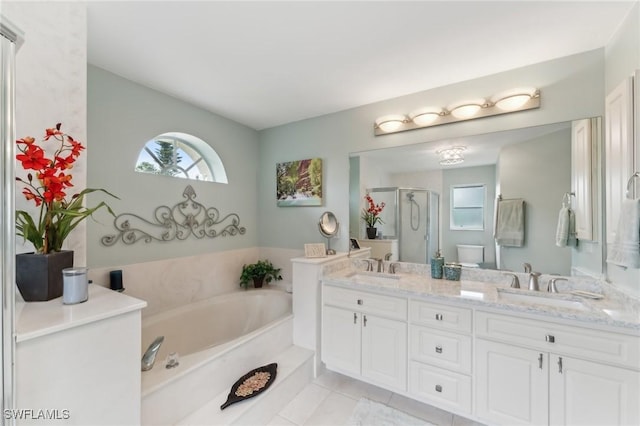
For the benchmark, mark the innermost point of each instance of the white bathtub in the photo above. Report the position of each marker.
(217, 341)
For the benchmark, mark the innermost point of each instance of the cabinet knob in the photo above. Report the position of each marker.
(439, 349)
(438, 388)
(550, 338)
(560, 364)
(355, 318)
(364, 320)
(360, 302)
(438, 317)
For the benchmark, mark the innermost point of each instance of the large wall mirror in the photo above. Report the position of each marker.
(533, 164)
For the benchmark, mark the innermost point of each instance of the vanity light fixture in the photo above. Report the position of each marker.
(467, 109)
(426, 116)
(390, 123)
(513, 100)
(451, 156)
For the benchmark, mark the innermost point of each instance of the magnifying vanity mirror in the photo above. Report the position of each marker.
(328, 227)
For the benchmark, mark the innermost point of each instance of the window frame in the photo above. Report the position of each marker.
(452, 225)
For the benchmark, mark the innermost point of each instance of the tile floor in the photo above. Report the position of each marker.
(330, 399)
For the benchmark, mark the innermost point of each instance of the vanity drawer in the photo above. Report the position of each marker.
(441, 348)
(441, 316)
(442, 388)
(386, 306)
(584, 343)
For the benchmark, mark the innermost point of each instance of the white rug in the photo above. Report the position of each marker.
(370, 413)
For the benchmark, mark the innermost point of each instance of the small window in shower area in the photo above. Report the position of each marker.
(467, 207)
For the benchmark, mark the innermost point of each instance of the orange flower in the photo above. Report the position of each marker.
(53, 132)
(26, 140)
(33, 158)
(64, 163)
(31, 196)
(76, 147)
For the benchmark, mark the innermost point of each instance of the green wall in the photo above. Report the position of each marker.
(122, 117)
(572, 88)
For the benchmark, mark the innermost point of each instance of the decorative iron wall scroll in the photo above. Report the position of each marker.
(184, 219)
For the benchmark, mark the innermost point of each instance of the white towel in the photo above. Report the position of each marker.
(625, 250)
(566, 230)
(509, 226)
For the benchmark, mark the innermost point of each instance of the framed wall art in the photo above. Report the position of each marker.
(299, 183)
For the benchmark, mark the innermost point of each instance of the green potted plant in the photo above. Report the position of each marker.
(39, 274)
(259, 272)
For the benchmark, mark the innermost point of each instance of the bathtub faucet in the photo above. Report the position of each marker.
(149, 357)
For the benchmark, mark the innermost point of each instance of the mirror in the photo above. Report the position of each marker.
(328, 227)
(532, 163)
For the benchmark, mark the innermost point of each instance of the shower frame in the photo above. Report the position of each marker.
(397, 212)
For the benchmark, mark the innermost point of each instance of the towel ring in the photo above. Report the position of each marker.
(630, 181)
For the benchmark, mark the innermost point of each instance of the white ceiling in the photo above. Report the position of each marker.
(269, 63)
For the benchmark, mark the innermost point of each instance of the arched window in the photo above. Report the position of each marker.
(181, 155)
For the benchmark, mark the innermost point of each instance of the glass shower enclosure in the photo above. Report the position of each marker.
(411, 216)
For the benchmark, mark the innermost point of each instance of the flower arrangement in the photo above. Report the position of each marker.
(58, 215)
(371, 214)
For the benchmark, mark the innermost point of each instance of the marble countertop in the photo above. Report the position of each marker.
(611, 310)
(36, 319)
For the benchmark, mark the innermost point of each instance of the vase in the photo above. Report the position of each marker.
(257, 282)
(372, 232)
(39, 276)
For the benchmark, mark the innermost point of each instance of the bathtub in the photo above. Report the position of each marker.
(217, 341)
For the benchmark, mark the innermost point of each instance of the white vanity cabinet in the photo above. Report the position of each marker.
(440, 352)
(364, 335)
(536, 372)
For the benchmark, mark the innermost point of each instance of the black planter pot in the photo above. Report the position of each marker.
(39, 276)
(258, 281)
(372, 233)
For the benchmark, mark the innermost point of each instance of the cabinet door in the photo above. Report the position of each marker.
(618, 151)
(384, 351)
(586, 393)
(341, 339)
(581, 177)
(511, 384)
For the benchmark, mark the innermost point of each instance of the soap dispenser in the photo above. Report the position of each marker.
(437, 265)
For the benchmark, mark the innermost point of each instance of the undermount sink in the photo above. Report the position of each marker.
(544, 299)
(373, 276)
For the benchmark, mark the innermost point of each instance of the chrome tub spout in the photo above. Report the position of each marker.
(149, 357)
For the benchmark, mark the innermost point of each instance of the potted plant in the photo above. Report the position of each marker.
(39, 274)
(371, 216)
(259, 272)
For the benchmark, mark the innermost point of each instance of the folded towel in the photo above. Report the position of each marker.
(625, 250)
(566, 230)
(509, 226)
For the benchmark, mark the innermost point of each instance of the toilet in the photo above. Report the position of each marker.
(470, 256)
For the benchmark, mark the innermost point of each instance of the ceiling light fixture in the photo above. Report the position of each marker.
(390, 123)
(451, 156)
(513, 100)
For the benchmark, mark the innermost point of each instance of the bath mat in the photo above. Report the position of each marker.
(251, 384)
(369, 413)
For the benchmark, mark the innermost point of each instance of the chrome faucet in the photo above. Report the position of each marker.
(533, 281)
(515, 282)
(551, 287)
(527, 268)
(149, 357)
(393, 267)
